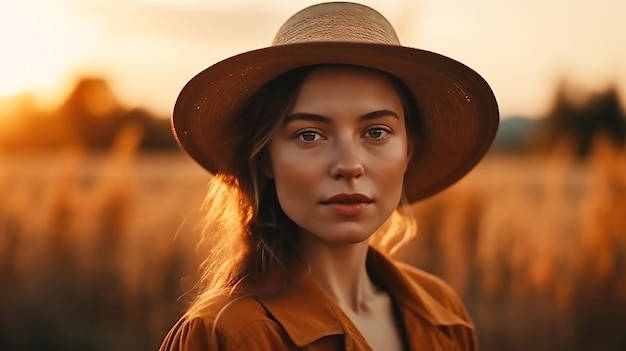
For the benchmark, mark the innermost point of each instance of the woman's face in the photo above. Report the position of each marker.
(339, 158)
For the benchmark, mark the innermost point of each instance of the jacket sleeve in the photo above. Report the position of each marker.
(196, 334)
(189, 335)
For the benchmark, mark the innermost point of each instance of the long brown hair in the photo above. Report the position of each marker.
(245, 230)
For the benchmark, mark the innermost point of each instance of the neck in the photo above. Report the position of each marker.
(340, 270)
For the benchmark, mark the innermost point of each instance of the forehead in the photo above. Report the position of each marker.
(347, 86)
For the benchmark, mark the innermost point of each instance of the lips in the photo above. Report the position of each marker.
(348, 204)
(347, 199)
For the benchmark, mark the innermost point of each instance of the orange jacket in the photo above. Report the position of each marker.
(305, 317)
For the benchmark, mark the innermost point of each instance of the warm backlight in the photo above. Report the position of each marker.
(40, 41)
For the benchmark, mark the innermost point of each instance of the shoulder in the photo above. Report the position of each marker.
(240, 324)
(444, 306)
(433, 286)
(427, 280)
(419, 291)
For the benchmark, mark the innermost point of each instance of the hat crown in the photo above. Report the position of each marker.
(337, 21)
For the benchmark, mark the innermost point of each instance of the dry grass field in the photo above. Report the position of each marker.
(97, 252)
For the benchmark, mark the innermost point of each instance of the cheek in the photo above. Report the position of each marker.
(392, 176)
(389, 171)
(393, 159)
(293, 178)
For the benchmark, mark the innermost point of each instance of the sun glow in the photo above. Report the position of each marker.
(41, 41)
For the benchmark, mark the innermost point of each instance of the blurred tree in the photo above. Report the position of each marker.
(93, 113)
(578, 120)
(157, 131)
(91, 117)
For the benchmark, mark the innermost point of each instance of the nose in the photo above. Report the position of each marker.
(346, 161)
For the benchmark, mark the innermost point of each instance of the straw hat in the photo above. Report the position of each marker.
(458, 109)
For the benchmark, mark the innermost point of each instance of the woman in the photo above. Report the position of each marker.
(316, 143)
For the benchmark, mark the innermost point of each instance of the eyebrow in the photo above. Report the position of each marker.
(304, 116)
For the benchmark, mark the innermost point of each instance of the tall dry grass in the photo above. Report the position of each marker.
(97, 251)
(537, 248)
(88, 259)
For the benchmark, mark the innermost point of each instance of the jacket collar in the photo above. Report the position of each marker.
(408, 293)
(307, 313)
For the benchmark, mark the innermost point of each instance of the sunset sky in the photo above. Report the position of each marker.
(148, 49)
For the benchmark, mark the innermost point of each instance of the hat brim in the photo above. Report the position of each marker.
(458, 109)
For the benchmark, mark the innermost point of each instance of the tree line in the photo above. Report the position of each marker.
(91, 117)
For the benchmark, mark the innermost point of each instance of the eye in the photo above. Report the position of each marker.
(377, 133)
(308, 136)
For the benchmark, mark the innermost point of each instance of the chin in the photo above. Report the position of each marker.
(347, 233)
(349, 240)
